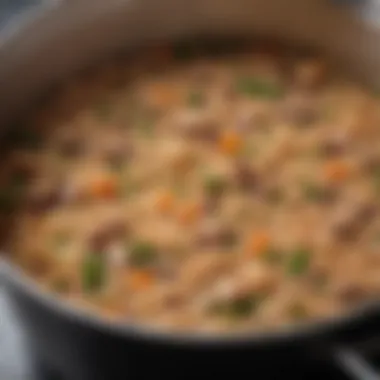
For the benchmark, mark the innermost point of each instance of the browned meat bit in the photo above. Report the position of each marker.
(71, 145)
(300, 109)
(332, 147)
(371, 163)
(38, 262)
(43, 199)
(214, 188)
(107, 233)
(117, 152)
(245, 176)
(214, 234)
(252, 117)
(310, 74)
(198, 126)
(352, 221)
(352, 294)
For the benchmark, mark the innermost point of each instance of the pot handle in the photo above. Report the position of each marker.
(354, 364)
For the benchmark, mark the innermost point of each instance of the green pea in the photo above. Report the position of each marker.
(214, 186)
(93, 272)
(258, 88)
(61, 239)
(313, 192)
(142, 254)
(103, 110)
(239, 308)
(299, 262)
(196, 99)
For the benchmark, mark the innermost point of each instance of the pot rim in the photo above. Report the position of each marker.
(14, 277)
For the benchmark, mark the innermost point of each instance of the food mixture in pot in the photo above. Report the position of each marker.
(196, 191)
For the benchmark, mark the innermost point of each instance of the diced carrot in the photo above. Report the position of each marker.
(104, 187)
(336, 170)
(165, 202)
(189, 213)
(140, 279)
(230, 143)
(258, 243)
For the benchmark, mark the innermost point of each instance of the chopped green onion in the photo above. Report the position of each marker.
(239, 308)
(376, 179)
(214, 186)
(313, 192)
(93, 272)
(61, 239)
(258, 88)
(196, 99)
(142, 254)
(299, 262)
(103, 110)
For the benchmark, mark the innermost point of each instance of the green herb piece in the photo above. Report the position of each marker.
(214, 186)
(131, 188)
(93, 272)
(103, 110)
(196, 99)
(142, 254)
(376, 179)
(258, 88)
(299, 262)
(146, 127)
(61, 239)
(313, 192)
(239, 308)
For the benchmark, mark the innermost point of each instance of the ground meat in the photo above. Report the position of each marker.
(300, 109)
(117, 152)
(332, 147)
(352, 294)
(214, 234)
(245, 176)
(197, 125)
(43, 199)
(107, 233)
(349, 224)
(70, 144)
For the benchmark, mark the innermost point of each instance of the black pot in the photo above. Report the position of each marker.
(48, 44)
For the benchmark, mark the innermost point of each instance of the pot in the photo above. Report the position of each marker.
(49, 42)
